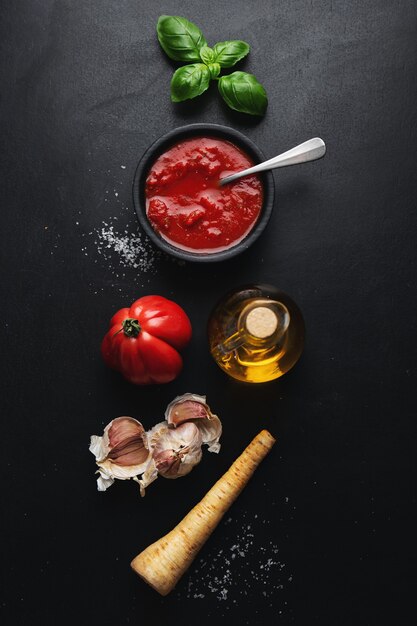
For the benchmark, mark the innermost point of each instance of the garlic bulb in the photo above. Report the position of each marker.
(193, 408)
(170, 449)
(122, 452)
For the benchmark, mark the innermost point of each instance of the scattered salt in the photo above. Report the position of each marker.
(230, 577)
(124, 247)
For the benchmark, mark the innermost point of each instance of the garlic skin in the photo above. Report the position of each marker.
(149, 476)
(192, 408)
(122, 452)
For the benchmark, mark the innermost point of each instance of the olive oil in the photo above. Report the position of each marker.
(256, 333)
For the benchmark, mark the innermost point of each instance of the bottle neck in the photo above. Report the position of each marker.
(261, 324)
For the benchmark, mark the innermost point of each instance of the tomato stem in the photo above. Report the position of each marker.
(131, 327)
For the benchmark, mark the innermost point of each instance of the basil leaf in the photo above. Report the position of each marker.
(242, 92)
(227, 53)
(214, 70)
(189, 81)
(207, 55)
(179, 38)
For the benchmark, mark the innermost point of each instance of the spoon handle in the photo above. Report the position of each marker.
(308, 151)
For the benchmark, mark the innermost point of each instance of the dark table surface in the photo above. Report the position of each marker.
(325, 532)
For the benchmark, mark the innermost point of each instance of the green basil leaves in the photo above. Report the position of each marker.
(189, 81)
(179, 38)
(207, 55)
(242, 92)
(183, 41)
(227, 53)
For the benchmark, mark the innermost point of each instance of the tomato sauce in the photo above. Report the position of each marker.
(186, 205)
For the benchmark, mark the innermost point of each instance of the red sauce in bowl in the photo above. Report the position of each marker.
(186, 205)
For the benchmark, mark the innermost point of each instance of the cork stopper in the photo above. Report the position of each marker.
(261, 322)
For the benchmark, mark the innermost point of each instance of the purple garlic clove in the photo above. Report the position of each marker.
(193, 408)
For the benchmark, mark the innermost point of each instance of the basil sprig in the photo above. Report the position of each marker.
(183, 41)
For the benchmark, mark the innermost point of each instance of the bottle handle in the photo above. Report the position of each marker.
(231, 343)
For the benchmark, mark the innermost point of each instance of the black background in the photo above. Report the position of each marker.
(85, 90)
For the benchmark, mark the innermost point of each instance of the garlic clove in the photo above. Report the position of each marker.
(167, 462)
(190, 407)
(126, 441)
(122, 452)
(175, 451)
(211, 431)
(187, 407)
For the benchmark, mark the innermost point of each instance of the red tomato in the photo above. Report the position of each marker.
(143, 341)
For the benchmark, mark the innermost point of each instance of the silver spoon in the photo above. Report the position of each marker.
(308, 151)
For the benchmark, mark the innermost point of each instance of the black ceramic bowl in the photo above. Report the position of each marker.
(165, 142)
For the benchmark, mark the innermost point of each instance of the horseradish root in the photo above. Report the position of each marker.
(163, 563)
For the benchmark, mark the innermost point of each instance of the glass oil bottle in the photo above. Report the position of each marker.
(256, 333)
